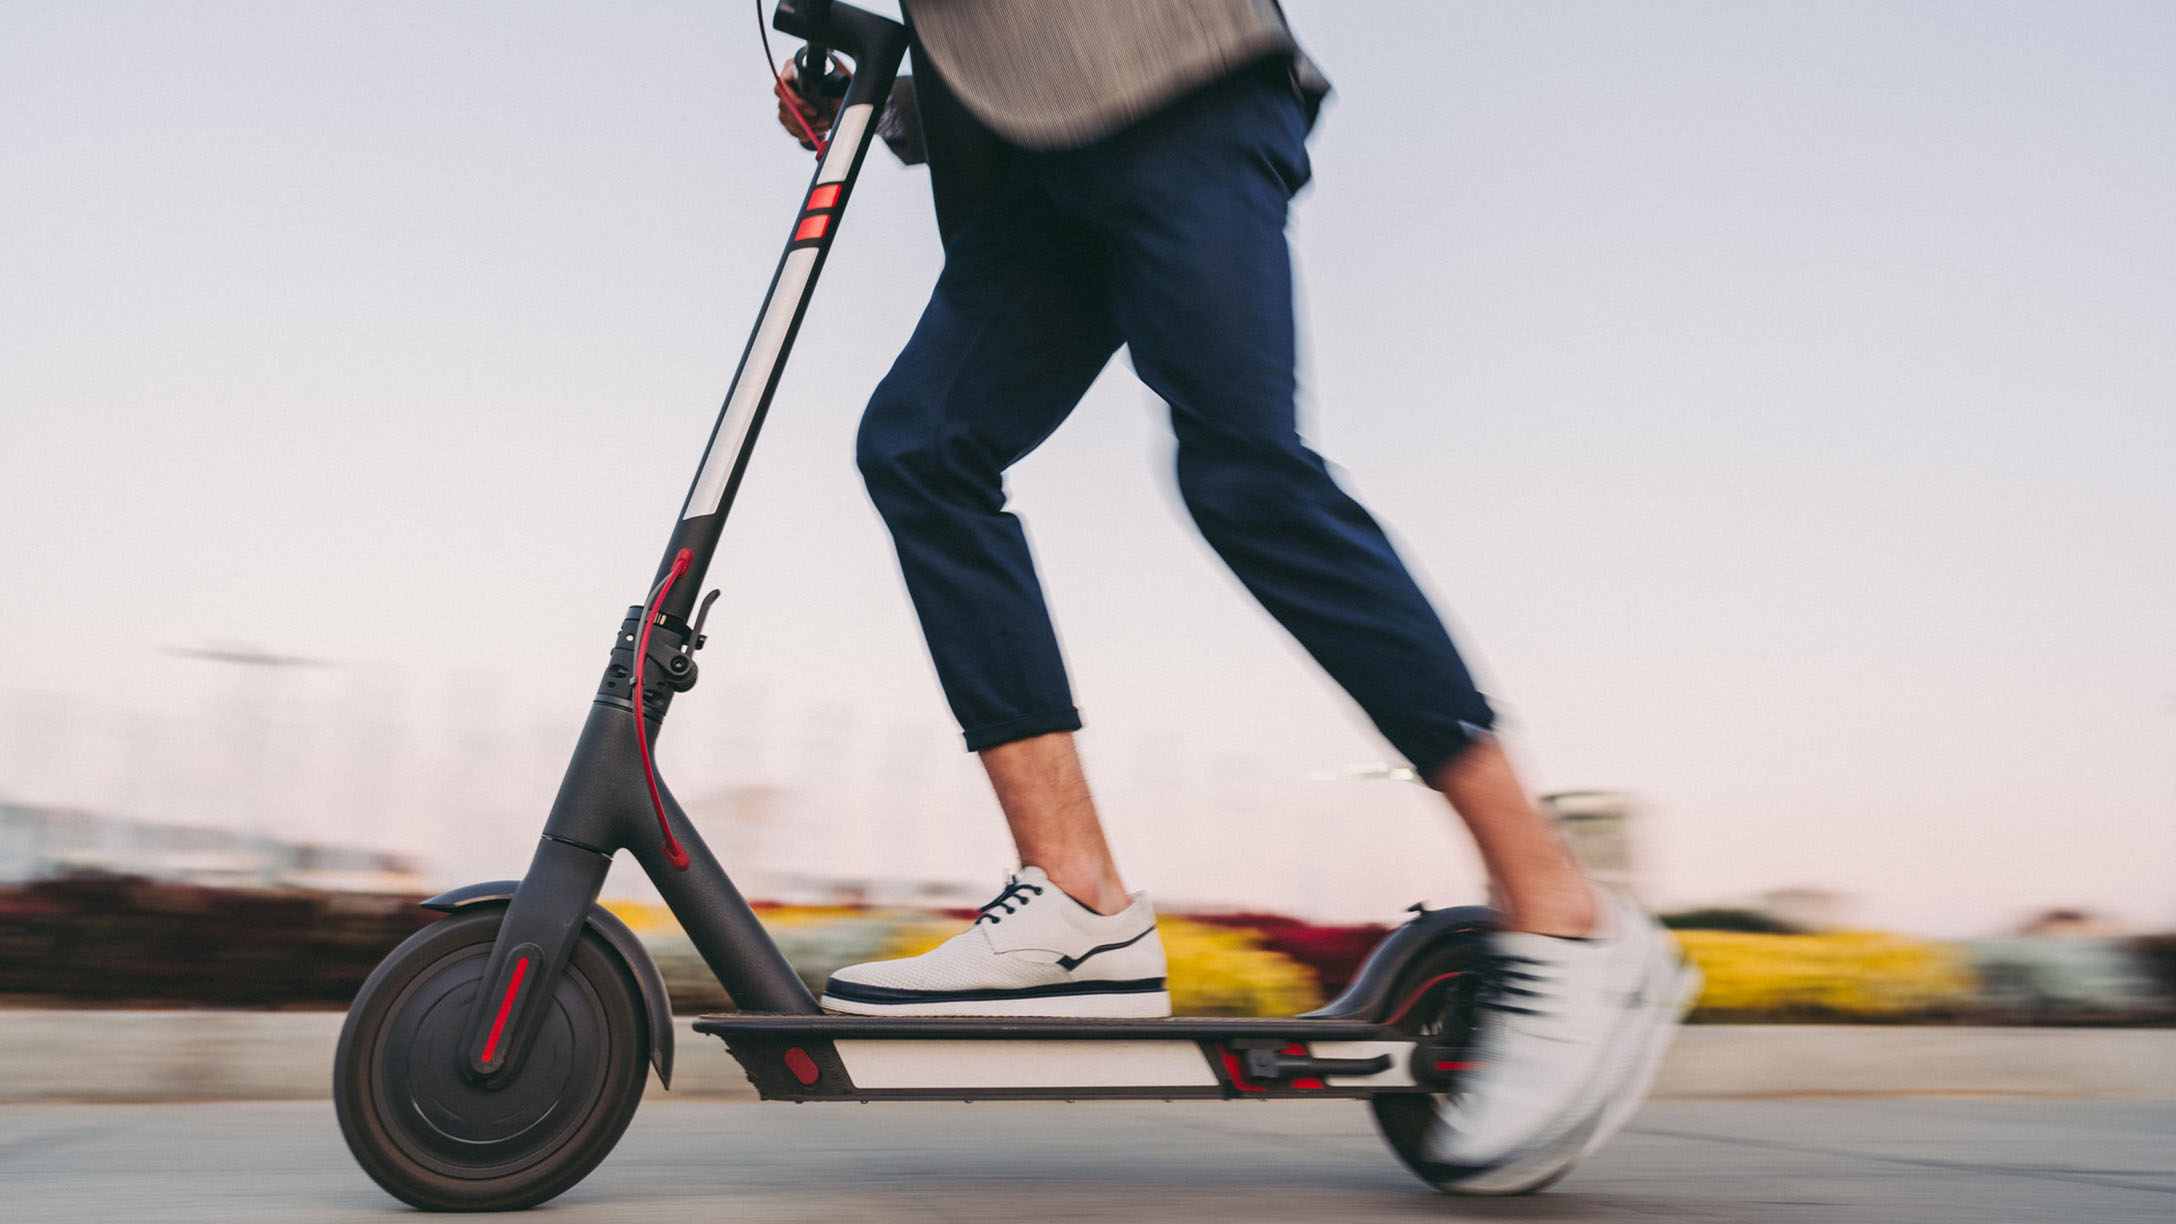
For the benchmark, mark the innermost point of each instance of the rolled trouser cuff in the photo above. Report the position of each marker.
(990, 735)
(1431, 753)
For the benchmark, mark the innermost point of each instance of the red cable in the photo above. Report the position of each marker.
(673, 852)
(778, 82)
(793, 103)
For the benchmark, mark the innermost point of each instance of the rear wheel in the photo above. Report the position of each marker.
(1436, 1000)
(436, 1139)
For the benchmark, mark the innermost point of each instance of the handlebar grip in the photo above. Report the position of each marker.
(813, 77)
(875, 44)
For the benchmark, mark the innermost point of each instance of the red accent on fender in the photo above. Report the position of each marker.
(1456, 1066)
(1425, 987)
(506, 1008)
(1238, 1078)
(826, 196)
(1299, 1050)
(812, 227)
(802, 1066)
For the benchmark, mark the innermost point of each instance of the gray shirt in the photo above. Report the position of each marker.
(997, 76)
(1054, 73)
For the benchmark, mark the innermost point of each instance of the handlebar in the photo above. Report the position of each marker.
(814, 61)
(814, 78)
(873, 44)
(863, 36)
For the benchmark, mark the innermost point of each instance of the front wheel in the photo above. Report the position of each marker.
(437, 1140)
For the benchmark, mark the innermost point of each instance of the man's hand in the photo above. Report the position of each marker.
(813, 116)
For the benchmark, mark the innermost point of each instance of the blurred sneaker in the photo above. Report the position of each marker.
(1568, 1029)
(1632, 1072)
(1033, 951)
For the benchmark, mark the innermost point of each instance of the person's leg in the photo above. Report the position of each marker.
(1044, 794)
(1194, 207)
(1012, 336)
(1537, 882)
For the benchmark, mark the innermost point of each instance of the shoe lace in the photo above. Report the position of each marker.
(1508, 984)
(1016, 889)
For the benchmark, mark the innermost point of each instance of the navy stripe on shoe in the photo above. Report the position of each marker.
(858, 993)
(1070, 963)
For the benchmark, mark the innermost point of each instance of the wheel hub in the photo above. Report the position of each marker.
(443, 1116)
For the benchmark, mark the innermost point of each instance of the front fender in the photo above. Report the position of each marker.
(655, 1002)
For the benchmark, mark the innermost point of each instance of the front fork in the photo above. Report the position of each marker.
(603, 807)
(534, 942)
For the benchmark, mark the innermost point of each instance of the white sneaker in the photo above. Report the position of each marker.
(1033, 951)
(1675, 987)
(1568, 1029)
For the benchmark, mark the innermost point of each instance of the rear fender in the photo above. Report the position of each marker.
(656, 1004)
(1371, 994)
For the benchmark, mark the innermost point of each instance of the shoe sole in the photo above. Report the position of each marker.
(1525, 1173)
(1132, 1005)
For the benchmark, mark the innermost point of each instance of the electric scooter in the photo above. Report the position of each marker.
(494, 1058)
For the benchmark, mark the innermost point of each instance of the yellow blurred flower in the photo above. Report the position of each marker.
(1852, 973)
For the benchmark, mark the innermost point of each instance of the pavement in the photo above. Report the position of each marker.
(127, 1056)
(1886, 1160)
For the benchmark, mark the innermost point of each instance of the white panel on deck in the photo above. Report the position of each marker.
(998, 1063)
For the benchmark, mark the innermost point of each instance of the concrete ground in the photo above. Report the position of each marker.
(128, 1056)
(1885, 1160)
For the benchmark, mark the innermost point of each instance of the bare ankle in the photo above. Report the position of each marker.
(1573, 914)
(1101, 892)
(1044, 794)
(1539, 885)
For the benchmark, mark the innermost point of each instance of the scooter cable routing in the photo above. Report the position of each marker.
(673, 852)
(785, 92)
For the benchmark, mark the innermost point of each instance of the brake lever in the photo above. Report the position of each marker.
(695, 631)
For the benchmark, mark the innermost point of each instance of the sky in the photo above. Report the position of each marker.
(1778, 398)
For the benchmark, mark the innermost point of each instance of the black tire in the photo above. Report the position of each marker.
(433, 1139)
(1406, 1118)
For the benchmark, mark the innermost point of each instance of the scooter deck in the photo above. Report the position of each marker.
(1047, 1028)
(822, 1057)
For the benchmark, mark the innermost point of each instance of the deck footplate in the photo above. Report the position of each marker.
(825, 1026)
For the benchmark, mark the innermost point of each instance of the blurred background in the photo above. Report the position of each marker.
(1776, 396)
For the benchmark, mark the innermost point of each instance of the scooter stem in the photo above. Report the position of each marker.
(604, 801)
(877, 46)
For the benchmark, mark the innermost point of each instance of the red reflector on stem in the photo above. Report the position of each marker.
(812, 227)
(826, 196)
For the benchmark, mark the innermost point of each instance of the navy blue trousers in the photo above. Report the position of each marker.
(1168, 238)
